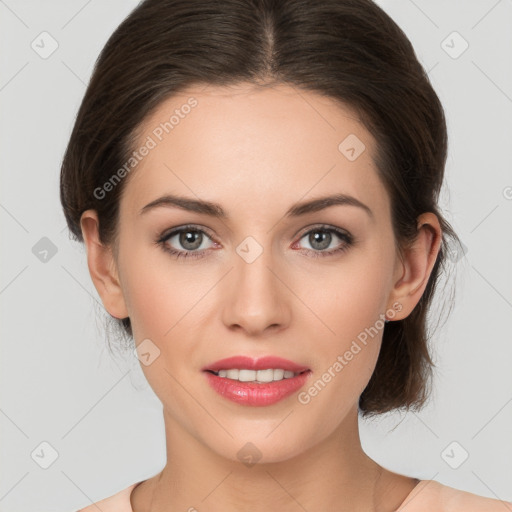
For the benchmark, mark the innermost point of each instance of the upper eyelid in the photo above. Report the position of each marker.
(325, 227)
(176, 231)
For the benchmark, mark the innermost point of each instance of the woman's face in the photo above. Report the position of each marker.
(257, 281)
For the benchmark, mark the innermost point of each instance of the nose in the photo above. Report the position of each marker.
(255, 299)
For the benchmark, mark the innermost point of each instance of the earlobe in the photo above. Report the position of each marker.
(417, 264)
(102, 267)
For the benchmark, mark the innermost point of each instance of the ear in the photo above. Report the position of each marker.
(413, 271)
(102, 266)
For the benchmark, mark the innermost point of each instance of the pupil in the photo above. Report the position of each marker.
(190, 237)
(321, 237)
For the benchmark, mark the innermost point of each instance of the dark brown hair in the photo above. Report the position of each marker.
(348, 50)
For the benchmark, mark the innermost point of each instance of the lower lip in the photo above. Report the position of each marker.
(251, 393)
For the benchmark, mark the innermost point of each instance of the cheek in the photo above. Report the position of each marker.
(349, 307)
(349, 298)
(347, 352)
(160, 299)
(154, 291)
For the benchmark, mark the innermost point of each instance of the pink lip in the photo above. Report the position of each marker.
(248, 363)
(252, 393)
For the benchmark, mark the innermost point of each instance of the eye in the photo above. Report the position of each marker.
(190, 238)
(321, 237)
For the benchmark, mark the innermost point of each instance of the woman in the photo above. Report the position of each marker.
(256, 185)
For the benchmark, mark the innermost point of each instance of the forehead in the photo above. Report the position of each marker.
(250, 145)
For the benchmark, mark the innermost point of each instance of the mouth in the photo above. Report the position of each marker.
(256, 382)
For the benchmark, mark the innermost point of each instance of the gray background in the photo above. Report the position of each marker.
(61, 386)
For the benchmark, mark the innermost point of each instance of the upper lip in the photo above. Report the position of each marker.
(249, 363)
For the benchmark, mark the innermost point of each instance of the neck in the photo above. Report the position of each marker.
(334, 474)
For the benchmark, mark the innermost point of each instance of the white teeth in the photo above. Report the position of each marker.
(268, 375)
(232, 374)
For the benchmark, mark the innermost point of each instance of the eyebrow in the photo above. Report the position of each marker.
(215, 210)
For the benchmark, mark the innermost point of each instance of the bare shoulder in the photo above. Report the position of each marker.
(430, 495)
(119, 502)
(457, 500)
(462, 501)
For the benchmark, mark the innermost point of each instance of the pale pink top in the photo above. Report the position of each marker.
(427, 496)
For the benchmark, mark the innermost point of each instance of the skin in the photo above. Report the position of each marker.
(256, 151)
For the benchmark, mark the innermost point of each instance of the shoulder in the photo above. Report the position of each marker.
(431, 495)
(119, 502)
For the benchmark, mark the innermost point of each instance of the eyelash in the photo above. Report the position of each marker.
(347, 238)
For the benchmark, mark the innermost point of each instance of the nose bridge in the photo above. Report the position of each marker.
(256, 300)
